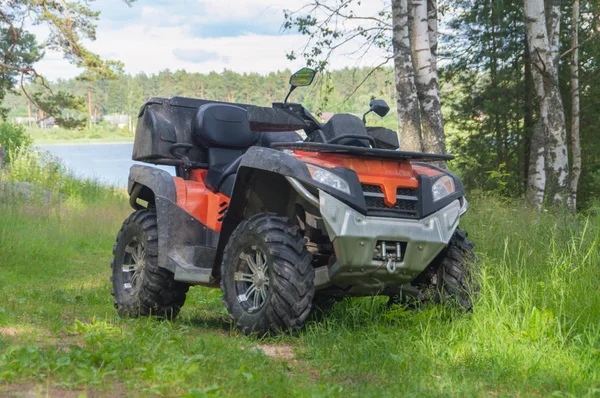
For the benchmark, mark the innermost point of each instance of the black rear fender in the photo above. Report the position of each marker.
(181, 238)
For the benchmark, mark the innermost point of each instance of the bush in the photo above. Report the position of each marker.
(13, 137)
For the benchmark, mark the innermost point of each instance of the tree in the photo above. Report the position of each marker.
(68, 22)
(542, 29)
(575, 110)
(406, 32)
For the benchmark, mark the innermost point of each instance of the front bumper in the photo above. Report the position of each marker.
(355, 238)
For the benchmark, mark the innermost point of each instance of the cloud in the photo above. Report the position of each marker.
(233, 29)
(195, 56)
(195, 35)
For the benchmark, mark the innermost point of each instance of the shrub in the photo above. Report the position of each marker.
(13, 137)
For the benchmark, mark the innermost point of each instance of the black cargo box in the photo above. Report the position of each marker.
(163, 122)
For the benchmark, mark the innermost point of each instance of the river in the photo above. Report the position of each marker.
(107, 163)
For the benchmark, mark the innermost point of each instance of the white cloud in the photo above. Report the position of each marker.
(155, 34)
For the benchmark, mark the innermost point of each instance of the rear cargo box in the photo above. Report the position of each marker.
(163, 122)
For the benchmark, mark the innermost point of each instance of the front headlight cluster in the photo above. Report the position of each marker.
(326, 177)
(443, 187)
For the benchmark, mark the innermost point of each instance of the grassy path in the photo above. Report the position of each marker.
(535, 330)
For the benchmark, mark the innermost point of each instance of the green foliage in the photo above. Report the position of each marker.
(534, 331)
(19, 49)
(69, 24)
(12, 138)
(331, 92)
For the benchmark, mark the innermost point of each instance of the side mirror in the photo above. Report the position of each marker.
(304, 77)
(380, 107)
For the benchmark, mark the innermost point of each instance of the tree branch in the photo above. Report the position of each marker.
(570, 50)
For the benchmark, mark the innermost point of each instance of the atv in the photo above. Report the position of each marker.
(284, 223)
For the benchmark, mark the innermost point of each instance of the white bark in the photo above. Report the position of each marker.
(432, 24)
(536, 182)
(409, 120)
(552, 10)
(426, 80)
(545, 73)
(575, 143)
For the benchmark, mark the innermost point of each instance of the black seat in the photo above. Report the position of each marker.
(223, 130)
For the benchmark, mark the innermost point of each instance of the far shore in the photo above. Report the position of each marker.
(77, 142)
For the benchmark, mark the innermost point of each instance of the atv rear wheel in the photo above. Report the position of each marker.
(267, 276)
(140, 286)
(450, 278)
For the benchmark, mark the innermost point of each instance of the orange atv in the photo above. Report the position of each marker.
(283, 224)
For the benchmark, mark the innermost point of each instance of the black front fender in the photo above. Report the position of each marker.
(284, 164)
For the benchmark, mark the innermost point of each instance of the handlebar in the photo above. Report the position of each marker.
(359, 136)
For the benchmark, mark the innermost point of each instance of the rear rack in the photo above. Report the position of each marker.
(360, 152)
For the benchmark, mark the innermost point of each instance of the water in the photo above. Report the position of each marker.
(108, 163)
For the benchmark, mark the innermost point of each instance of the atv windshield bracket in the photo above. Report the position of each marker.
(305, 193)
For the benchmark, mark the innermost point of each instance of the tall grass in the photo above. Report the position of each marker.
(535, 328)
(48, 172)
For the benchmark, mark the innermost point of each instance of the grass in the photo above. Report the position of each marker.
(96, 134)
(535, 329)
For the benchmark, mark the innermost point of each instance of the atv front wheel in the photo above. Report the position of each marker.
(140, 286)
(450, 278)
(267, 276)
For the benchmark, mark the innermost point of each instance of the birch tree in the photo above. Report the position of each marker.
(426, 77)
(575, 110)
(407, 31)
(409, 118)
(542, 32)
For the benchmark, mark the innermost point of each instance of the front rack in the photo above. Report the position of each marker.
(360, 152)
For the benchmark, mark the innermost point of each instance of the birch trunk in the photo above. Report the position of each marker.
(432, 125)
(552, 115)
(409, 120)
(432, 29)
(575, 144)
(536, 177)
(552, 10)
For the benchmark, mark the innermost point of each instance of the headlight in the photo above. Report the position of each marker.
(443, 187)
(328, 178)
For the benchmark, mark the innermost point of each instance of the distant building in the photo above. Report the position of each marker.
(25, 120)
(47, 123)
(117, 120)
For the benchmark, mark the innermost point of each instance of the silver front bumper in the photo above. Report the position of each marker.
(355, 237)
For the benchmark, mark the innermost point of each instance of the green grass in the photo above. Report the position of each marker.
(95, 134)
(534, 331)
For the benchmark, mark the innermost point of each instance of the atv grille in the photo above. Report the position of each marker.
(405, 206)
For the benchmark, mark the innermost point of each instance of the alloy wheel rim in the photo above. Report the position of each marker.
(252, 280)
(134, 266)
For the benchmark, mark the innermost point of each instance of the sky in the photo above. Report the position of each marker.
(194, 35)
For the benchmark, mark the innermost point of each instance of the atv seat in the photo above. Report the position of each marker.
(223, 131)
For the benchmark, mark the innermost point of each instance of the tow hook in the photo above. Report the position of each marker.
(391, 266)
(391, 253)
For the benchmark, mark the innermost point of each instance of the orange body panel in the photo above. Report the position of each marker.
(389, 175)
(194, 197)
(209, 208)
